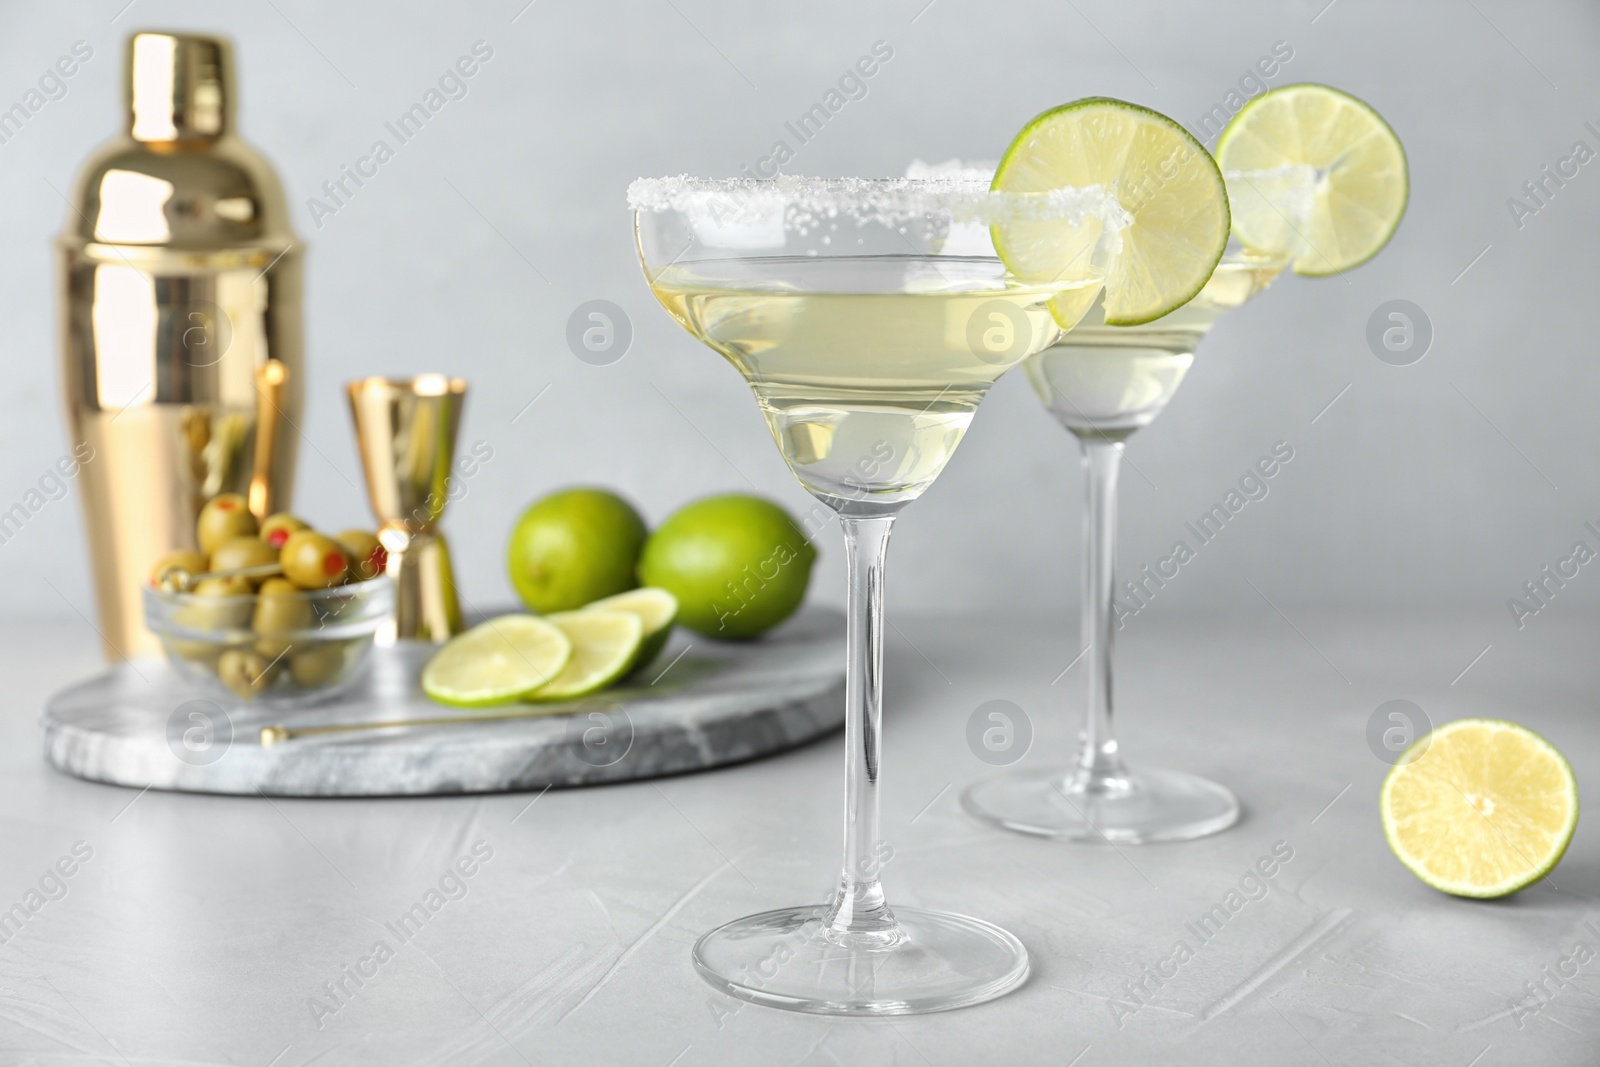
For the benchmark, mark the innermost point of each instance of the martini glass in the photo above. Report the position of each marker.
(1103, 383)
(868, 336)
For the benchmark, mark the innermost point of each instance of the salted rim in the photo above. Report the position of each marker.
(977, 170)
(800, 201)
(1296, 187)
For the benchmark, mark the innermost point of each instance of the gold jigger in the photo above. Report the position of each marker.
(406, 433)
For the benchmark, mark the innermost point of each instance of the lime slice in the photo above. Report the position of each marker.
(1314, 173)
(497, 662)
(605, 645)
(1484, 809)
(1165, 231)
(657, 610)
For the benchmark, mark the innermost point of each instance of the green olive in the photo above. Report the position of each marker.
(282, 611)
(237, 552)
(317, 665)
(245, 672)
(313, 561)
(223, 587)
(368, 557)
(187, 559)
(223, 517)
(202, 652)
(275, 529)
(216, 604)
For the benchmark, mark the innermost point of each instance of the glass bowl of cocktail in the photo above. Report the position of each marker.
(1315, 180)
(870, 318)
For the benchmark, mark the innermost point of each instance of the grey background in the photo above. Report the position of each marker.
(1450, 481)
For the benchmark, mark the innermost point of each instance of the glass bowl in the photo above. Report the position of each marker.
(286, 649)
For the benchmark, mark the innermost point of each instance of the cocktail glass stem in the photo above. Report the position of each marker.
(858, 913)
(1100, 768)
(852, 955)
(1097, 798)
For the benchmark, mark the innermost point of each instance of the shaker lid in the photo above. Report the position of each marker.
(177, 177)
(180, 87)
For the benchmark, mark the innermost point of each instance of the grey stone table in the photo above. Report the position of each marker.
(554, 928)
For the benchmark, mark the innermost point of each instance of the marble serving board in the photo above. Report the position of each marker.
(701, 704)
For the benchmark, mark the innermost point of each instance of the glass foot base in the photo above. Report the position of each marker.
(1150, 806)
(790, 959)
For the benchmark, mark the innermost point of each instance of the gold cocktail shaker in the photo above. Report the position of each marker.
(180, 309)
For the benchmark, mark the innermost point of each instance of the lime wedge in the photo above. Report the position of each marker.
(1313, 173)
(1166, 224)
(1485, 809)
(497, 662)
(657, 610)
(605, 645)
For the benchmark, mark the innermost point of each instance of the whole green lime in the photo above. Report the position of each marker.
(574, 547)
(739, 565)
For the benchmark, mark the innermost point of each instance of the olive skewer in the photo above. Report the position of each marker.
(182, 580)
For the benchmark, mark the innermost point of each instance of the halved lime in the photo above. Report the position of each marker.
(604, 647)
(1314, 173)
(1165, 231)
(657, 610)
(497, 662)
(1487, 808)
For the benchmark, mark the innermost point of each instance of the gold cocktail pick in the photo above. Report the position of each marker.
(266, 479)
(180, 580)
(273, 735)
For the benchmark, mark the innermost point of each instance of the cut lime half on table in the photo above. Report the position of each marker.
(1484, 809)
(497, 662)
(605, 646)
(1314, 173)
(657, 610)
(1162, 238)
